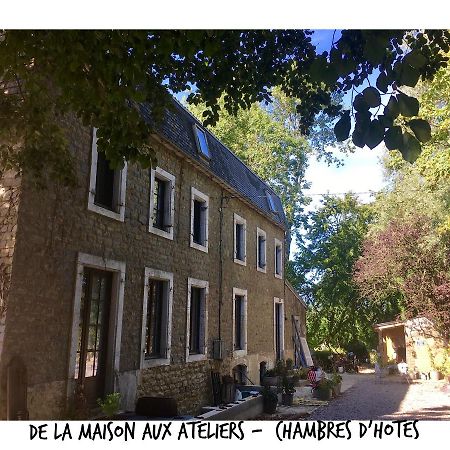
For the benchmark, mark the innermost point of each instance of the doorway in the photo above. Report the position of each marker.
(94, 330)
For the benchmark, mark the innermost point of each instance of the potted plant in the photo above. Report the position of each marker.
(288, 391)
(324, 389)
(337, 383)
(270, 400)
(110, 405)
(271, 378)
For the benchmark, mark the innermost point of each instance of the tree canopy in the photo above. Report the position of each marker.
(323, 266)
(100, 77)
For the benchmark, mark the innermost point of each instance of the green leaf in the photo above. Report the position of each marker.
(342, 127)
(358, 137)
(409, 106)
(375, 134)
(360, 104)
(372, 97)
(409, 76)
(410, 147)
(415, 59)
(392, 109)
(386, 121)
(393, 138)
(421, 128)
(382, 82)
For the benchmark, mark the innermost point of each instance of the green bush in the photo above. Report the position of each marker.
(110, 405)
(323, 359)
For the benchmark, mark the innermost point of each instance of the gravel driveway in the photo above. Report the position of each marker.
(367, 397)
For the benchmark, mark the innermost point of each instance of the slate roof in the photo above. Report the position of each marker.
(178, 128)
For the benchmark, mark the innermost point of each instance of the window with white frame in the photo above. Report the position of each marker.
(260, 250)
(157, 318)
(278, 259)
(240, 239)
(239, 322)
(162, 191)
(197, 320)
(278, 327)
(199, 220)
(202, 141)
(106, 185)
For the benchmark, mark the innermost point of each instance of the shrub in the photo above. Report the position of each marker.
(323, 359)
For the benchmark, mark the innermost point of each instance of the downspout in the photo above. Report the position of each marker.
(220, 262)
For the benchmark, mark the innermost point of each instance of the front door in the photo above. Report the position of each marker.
(93, 333)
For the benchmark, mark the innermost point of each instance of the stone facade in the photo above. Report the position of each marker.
(55, 227)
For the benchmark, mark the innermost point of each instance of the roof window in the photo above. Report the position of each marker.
(202, 142)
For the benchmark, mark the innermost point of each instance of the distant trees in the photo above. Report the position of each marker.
(338, 315)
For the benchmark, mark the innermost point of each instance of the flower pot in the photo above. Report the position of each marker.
(324, 394)
(287, 399)
(337, 389)
(270, 405)
(271, 381)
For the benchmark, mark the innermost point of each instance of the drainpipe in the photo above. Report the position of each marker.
(220, 262)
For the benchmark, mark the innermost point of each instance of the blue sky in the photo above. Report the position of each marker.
(361, 171)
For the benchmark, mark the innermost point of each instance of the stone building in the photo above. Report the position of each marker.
(142, 282)
(414, 342)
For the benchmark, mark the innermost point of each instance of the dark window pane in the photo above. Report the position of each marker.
(104, 183)
(195, 320)
(159, 204)
(278, 260)
(198, 217)
(240, 242)
(238, 322)
(278, 330)
(155, 307)
(261, 252)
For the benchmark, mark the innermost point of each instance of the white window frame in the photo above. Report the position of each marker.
(237, 219)
(276, 301)
(117, 215)
(116, 308)
(155, 274)
(278, 243)
(262, 233)
(243, 293)
(193, 282)
(166, 177)
(197, 195)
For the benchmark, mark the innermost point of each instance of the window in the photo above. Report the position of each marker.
(240, 229)
(199, 220)
(271, 201)
(202, 142)
(240, 322)
(197, 320)
(278, 259)
(162, 188)
(157, 318)
(106, 185)
(260, 250)
(278, 324)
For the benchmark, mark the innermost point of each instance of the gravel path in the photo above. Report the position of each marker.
(368, 397)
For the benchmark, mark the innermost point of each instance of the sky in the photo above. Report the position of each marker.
(360, 173)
